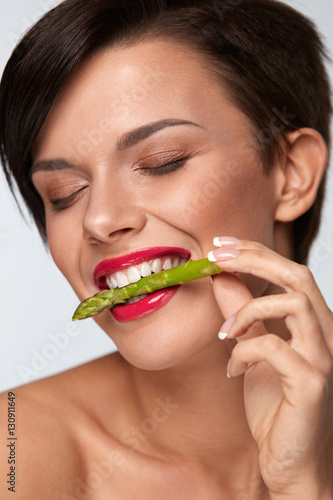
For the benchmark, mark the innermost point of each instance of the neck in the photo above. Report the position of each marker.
(197, 418)
(204, 419)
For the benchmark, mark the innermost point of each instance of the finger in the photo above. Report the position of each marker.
(300, 319)
(304, 386)
(294, 369)
(231, 294)
(301, 412)
(256, 259)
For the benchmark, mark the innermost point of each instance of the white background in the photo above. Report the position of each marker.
(35, 300)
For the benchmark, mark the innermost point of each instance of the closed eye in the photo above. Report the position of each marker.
(65, 202)
(165, 168)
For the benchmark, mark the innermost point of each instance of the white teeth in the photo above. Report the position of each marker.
(167, 264)
(121, 279)
(133, 300)
(114, 282)
(133, 274)
(156, 266)
(145, 269)
(111, 282)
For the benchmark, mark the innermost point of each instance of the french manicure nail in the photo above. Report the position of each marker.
(222, 254)
(226, 241)
(225, 328)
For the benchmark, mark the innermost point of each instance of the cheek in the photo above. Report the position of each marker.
(64, 246)
(230, 198)
(243, 204)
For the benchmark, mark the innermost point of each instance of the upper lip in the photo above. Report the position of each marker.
(109, 266)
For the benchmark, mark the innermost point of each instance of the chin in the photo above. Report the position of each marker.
(151, 345)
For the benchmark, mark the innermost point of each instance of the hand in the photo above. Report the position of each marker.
(288, 389)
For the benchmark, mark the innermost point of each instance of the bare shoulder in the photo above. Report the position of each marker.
(43, 427)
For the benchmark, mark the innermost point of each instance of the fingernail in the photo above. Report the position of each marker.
(226, 241)
(211, 279)
(225, 328)
(222, 254)
(228, 368)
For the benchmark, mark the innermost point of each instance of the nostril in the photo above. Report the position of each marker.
(123, 231)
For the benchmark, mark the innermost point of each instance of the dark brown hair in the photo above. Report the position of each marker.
(268, 56)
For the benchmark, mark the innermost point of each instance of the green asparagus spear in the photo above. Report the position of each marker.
(179, 275)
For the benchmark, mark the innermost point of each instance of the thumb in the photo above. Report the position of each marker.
(231, 294)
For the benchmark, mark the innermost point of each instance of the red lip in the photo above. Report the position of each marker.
(153, 302)
(132, 258)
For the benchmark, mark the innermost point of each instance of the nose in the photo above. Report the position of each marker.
(113, 212)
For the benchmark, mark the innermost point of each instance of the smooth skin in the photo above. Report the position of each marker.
(160, 418)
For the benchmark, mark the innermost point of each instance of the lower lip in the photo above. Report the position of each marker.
(148, 305)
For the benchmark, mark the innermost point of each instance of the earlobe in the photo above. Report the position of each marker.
(300, 171)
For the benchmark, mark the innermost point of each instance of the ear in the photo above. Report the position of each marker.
(299, 173)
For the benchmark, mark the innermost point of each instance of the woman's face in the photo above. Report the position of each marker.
(143, 149)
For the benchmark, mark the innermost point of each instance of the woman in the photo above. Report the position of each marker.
(139, 133)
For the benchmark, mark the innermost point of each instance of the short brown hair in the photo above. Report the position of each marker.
(268, 56)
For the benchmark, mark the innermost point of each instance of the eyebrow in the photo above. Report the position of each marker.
(135, 136)
(49, 165)
(128, 140)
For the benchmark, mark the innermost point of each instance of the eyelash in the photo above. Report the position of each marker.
(59, 204)
(166, 168)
